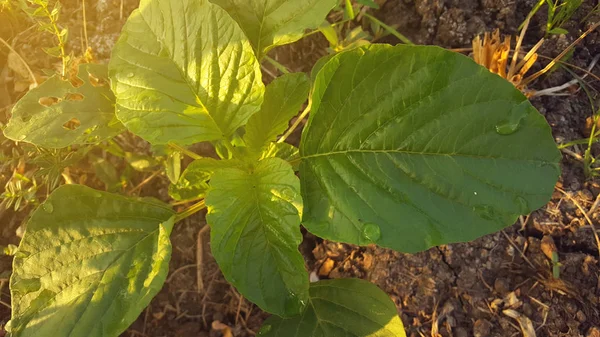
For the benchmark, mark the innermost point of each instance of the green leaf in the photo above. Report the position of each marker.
(342, 307)
(330, 34)
(57, 114)
(89, 263)
(349, 10)
(173, 166)
(183, 71)
(284, 151)
(411, 147)
(283, 99)
(255, 233)
(558, 30)
(193, 182)
(368, 3)
(270, 23)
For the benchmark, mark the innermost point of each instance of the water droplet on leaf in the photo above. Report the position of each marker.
(265, 329)
(371, 232)
(293, 304)
(513, 122)
(48, 207)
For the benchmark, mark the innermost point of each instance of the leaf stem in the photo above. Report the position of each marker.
(277, 65)
(390, 29)
(185, 151)
(297, 122)
(195, 208)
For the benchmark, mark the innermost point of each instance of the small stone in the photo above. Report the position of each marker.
(461, 332)
(580, 316)
(482, 328)
(527, 309)
(326, 267)
(593, 332)
(571, 307)
(585, 195)
(502, 286)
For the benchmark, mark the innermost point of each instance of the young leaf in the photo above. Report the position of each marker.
(173, 166)
(89, 263)
(255, 233)
(193, 182)
(269, 23)
(411, 147)
(183, 71)
(57, 114)
(342, 307)
(283, 99)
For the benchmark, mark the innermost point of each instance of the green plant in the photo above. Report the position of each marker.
(407, 147)
(559, 12)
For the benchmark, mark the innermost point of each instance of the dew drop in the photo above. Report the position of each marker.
(371, 232)
(265, 329)
(293, 304)
(48, 207)
(522, 205)
(130, 75)
(513, 122)
(485, 212)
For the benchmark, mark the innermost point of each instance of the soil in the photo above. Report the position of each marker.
(493, 286)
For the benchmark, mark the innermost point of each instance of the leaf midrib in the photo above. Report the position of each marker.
(185, 78)
(408, 152)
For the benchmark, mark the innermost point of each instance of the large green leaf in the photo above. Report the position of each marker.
(270, 23)
(340, 308)
(88, 264)
(411, 147)
(255, 233)
(183, 71)
(283, 99)
(58, 114)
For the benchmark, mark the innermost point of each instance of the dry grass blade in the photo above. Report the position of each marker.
(524, 322)
(560, 56)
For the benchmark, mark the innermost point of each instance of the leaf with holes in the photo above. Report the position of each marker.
(59, 113)
(255, 232)
(283, 99)
(270, 23)
(412, 147)
(183, 71)
(89, 263)
(342, 307)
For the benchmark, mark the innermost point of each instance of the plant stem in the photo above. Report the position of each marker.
(277, 65)
(61, 43)
(297, 122)
(185, 151)
(332, 25)
(84, 25)
(22, 61)
(389, 29)
(195, 208)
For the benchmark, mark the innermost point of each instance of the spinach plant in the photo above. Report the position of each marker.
(406, 147)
